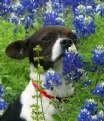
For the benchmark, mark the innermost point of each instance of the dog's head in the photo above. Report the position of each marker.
(52, 39)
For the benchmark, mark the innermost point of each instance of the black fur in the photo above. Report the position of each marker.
(13, 112)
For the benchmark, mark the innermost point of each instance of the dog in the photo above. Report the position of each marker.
(53, 41)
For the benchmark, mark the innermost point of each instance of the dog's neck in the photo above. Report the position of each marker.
(64, 90)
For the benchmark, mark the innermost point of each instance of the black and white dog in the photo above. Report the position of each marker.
(53, 40)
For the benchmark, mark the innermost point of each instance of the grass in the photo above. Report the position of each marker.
(15, 74)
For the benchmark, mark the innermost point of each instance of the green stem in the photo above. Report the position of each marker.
(37, 102)
(42, 103)
(40, 92)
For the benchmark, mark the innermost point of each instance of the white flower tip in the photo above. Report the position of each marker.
(73, 49)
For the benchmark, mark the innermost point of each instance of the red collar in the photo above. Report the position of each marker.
(65, 99)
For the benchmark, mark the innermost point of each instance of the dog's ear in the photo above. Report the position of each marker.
(18, 49)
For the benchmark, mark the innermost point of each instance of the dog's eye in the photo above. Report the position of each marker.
(46, 39)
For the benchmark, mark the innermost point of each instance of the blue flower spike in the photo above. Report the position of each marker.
(52, 79)
(89, 112)
(99, 89)
(100, 9)
(84, 20)
(54, 15)
(91, 105)
(85, 115)
(3, 104)
(73, 65)
(98, 55)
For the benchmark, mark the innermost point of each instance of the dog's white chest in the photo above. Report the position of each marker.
(27, 100)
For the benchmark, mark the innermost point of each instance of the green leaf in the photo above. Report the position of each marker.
(56, 117)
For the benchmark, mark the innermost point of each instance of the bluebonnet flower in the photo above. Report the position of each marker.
(39, 3)
(98, 57)
(90, 11)
(1, 91)
(52, 79)
(49, 7)
(87, 82)
(91, 105)
(14, 19)
(85, 115)
(28, 23)
(33, 4)
(57, 6)
(80, 10)
(3, 104)
(18, 10)
(54, 16)
(100, 9)
(26, 10)
(98, 117)
(89, 112)
(84, 20)
(67, 3)
(26, 3)
(89, 2)
(75, 3)
(89, 8)
(5, 7)
(5, 1)
(84, 10)
(99, 89)
(84, 25)
(23, 13)
(73, 66)
(52, 19)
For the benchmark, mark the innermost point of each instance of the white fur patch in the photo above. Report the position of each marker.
(27, 101)
(56, 50)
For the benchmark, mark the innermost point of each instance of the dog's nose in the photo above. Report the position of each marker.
(66, 43)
